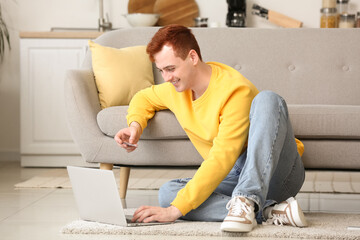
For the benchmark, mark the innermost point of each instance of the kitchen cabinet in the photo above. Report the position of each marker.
(45, 138)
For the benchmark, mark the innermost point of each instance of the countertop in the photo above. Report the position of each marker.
(70, 34)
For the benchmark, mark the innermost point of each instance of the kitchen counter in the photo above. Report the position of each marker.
(64, 35)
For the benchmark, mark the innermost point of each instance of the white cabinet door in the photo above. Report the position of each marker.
(44, 131)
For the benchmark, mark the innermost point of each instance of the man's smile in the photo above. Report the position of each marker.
(175, 81)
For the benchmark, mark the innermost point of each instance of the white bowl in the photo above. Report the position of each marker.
(142, 19)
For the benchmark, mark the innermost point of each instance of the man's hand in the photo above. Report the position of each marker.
(129, 135)
(151, 214)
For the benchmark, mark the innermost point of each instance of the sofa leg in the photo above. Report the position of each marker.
(124, 179)
(106, 166)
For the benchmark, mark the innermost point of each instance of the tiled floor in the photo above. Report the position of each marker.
(330, 191)
(40, 213)
(332, 182)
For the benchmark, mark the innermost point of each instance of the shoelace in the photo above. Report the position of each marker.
(237, 207)
(278, 219)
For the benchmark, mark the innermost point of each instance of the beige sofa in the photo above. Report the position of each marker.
(317, 71)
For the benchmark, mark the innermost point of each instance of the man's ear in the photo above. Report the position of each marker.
(194, 57)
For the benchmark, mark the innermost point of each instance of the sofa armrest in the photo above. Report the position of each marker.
(82, 105)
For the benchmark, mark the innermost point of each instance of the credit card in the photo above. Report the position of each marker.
(129, 144)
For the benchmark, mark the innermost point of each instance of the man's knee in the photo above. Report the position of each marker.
(267, 97)
(164, 195)
(168, 192)
(268, 100)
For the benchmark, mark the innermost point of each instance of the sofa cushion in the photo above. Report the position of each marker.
(120, 73)
(308, 121)
(325, 121)
(162, 126)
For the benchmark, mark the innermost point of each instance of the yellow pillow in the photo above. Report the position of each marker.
(120, 73)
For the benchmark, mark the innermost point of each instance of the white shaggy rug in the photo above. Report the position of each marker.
(321, 226)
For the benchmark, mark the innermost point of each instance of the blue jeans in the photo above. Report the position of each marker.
(269, 171)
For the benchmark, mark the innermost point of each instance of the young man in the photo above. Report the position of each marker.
(251, 158)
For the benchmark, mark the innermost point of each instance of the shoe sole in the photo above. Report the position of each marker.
(237, 227)
(299, 218)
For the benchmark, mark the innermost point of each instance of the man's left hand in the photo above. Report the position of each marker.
(156, 214)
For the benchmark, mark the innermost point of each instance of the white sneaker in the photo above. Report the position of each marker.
(241, 216)
(287, 213)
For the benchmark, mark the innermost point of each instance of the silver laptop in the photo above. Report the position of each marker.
(97, 197)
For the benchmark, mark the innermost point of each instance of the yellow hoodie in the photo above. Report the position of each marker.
(217, 123)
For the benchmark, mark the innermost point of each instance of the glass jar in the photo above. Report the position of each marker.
(342, 6)
(328, 18)
(328, 3)
(358, 20)
(347, 20)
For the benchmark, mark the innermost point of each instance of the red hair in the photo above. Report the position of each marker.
(180, 38)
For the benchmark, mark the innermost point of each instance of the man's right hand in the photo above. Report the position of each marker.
(131, 135)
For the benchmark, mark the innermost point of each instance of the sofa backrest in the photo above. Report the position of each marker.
(305, 66)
